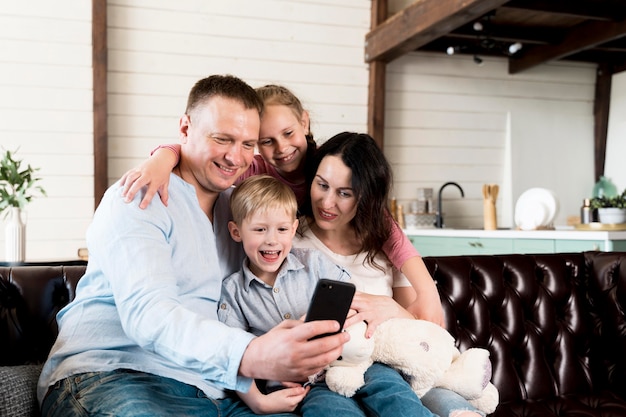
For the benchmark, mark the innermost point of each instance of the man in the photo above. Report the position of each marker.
(142, 335)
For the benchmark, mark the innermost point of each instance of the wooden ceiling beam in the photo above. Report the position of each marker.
(420, 23)
(579, 38)
(589, 10)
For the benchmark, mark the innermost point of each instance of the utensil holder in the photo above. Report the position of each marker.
(489, 215)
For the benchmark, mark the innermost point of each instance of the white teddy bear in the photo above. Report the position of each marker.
(424, 353)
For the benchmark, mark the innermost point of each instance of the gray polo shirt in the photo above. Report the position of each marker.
(250, 304)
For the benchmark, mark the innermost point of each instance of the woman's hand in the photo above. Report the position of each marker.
(153, 173)
(375, 309)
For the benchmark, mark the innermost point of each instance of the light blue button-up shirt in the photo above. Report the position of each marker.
(250, 304)
(148, 300)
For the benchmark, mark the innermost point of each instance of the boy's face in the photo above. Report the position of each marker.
(267, 237)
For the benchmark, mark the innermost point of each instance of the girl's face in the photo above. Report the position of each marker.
(333, 200)
(282, 139)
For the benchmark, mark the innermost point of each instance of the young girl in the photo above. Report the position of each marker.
(286, 147)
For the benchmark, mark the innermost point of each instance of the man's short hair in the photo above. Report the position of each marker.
(227, 86)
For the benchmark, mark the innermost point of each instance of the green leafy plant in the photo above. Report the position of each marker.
(18, 185)
(619, 201)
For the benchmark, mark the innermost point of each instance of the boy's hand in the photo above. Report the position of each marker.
(282, 401)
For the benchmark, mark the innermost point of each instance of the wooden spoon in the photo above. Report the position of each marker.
(494, 192)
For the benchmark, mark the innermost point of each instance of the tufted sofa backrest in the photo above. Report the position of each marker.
(30, 297)
(554, 323)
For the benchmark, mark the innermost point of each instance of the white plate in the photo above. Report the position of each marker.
(535, 208)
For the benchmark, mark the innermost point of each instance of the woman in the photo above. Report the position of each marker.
(286, 147)
(345, 218)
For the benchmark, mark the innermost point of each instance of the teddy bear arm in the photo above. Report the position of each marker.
(346, 380)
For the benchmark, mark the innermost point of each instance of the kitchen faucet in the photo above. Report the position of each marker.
(439, 220)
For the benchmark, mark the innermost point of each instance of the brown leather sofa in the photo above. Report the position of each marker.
(555, 326)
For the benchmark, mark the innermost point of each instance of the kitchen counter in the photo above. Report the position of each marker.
(438, 242)
(523, 234)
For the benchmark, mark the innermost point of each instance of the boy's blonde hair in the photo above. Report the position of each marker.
(259, 193)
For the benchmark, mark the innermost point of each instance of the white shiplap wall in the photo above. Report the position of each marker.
(46, 112)
(158, 49)
(448, 119)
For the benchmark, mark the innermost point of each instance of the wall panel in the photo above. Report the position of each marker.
(46, 113)
(448, 119)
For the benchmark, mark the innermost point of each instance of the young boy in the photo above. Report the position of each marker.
(276, 283)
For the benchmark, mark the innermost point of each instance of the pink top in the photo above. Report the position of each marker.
(398, 247)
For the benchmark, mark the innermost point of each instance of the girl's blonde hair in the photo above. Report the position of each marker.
(272, 94)
(259, 193)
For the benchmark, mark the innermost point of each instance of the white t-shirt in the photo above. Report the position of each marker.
(365, 277)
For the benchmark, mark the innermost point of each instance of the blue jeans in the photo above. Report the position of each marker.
(124, 393)
(385, 393)
(442, 402)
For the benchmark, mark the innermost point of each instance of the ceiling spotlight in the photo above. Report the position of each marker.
(478, 26)
(515, 47)
(452, 50)
(478, 60)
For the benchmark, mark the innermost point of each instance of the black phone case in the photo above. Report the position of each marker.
(331, 301)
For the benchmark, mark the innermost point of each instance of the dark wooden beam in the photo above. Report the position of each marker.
(100, 132)
(601, 107)
(377, 82)
(579, 38)
(421, 22)
(588, 10)
(376, 102)
(619, 67)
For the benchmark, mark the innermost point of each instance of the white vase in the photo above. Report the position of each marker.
(15, 236)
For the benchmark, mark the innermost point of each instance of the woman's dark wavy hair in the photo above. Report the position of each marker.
(371, 181)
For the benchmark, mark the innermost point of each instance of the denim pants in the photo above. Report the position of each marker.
(123, 393)
(443, 402)
(385, 393)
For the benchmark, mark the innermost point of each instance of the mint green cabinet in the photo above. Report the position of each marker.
(470, 245)
(579, 245)
(534, 246)
(442, 246)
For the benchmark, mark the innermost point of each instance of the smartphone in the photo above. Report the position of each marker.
(331, 301)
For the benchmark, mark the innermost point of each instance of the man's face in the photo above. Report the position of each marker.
(218, 140)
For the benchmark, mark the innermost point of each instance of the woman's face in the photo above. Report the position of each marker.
(333, 200)
(283, 139)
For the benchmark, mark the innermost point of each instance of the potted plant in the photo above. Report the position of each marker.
(610, 210)
(18, 186)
